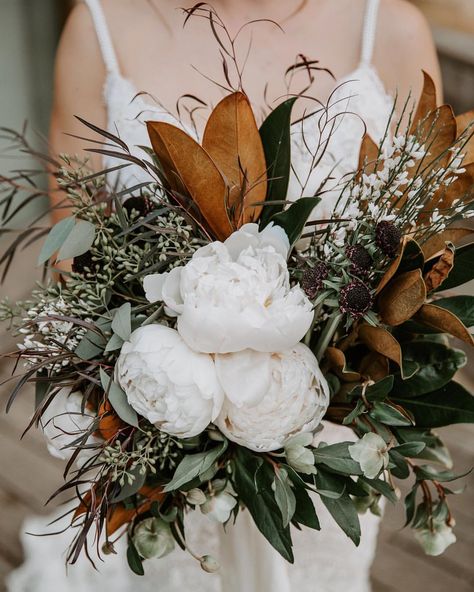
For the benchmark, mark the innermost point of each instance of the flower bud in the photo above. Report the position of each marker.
(153, 538)
(196, 497)
(209, 564)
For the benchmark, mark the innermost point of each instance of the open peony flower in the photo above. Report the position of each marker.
(64, 423)
(171, 385)
(293, 401)
(236, 295)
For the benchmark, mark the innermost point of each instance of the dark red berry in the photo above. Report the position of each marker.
(387, 238)
(355, 298)
(360, 259)
(313, 277)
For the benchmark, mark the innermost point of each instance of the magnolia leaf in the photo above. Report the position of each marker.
(465, 121)
(118, 400)
(374, 366)
(79, 240)
(232, 140)
(427, 102)
(109, 422)
(375, 392)
(444, 321)
(275, 133)
(381, 341)
(441, 269)
(401, 298)
(409, 258)
(337, 362)
(122, 322)
(461, 190)
(194, 465)
(449, 405)
(390, 414)
(368, 155)
(435, 245)
(188, 165)
(293, 219)
(463, 270)
(438, 132)
(55, 239)
(461, 306)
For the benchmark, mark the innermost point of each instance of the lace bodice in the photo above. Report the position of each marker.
(326, 561)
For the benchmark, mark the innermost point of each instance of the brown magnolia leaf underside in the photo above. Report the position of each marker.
(187, 164)
(438, 133)
(441, 269)
(402, 298)
(463, 122)
(374, 366)
(394, 265)
(337, 362)
(109, 422)
(427, 102)
(436, 244)
(368, 155)
(460, 190)
(232, 140)
(379, 340)
(444, 321)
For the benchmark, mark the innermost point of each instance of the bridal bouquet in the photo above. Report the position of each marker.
(210, 326)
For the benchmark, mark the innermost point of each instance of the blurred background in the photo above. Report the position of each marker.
(29, 31)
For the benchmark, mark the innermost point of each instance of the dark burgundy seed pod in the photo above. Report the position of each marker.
(360, 259)
(355, 298)
(313, 277)
(387, 238)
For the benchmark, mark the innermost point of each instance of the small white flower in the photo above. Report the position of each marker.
(371, 453)
(436, 540)
(297, 454)
(292, 397)
(209, 564)
(236, 295)
(196, 497)
(171, 385)
(219, 506)
(153, 538)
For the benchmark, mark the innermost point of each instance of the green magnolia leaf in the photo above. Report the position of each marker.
(91, 345)
(261, 503)
(118, 399)
(463, 270)
(79, 240)
(305, 512)
(122, 321)
(437, 363)
(342, 509)
(284, 496)
(55, 239)
(275, 134)
(134, 560)
(293, 219)
(194, 465)
(377, 391)
(461, 306)
(390, 415)
(337, 458)
(449, 405)
(130, 489)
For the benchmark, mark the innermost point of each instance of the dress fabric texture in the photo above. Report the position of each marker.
(325, 561)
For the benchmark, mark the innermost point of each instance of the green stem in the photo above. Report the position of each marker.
(327, 335)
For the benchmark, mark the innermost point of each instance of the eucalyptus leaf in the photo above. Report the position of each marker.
(130, 489)
(79, 240)
(118, 399)
(275, 134)
(122, 321)
(55, 239)
(194, 465)
(114, 343)
(91, 345)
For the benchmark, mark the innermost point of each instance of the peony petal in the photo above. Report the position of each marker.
(171, 291)
(153, 286)
(245, 376)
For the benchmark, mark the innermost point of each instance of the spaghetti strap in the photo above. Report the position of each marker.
(369, 31)
(103, 35)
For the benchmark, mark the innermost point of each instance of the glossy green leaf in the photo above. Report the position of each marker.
(463, 270)
(294, 218)
(390, 415)
(305, 512)
(55, 239)
(382, 487)
(275, 134)
(134, 560)
(261, 503)
(410, 449)
(284, 496)
(461, 306)
(337, 458)
(79, 240)
(449, 405)
(377, 391)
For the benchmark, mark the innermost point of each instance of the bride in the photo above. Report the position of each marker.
(113, 49)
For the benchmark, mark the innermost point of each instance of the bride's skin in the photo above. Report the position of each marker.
(156, 53)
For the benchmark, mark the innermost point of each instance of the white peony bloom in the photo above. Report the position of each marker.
(64, 422)
(171, 385)
(236, 295)
(294, 401)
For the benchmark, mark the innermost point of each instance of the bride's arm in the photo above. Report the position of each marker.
(78, 90)
(405, 46)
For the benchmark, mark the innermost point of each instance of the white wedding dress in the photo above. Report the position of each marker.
(325, 561)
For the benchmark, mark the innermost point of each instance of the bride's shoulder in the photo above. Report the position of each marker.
(402, 19)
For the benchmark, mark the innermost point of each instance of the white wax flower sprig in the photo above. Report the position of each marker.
(236, 295)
